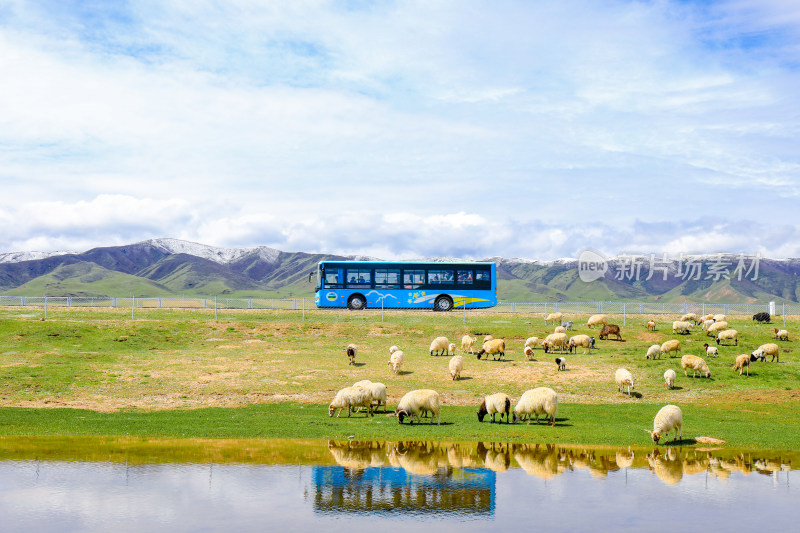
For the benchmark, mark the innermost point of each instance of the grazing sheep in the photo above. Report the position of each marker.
(707, 324)
(494, 404)
(761, 317)
(351, 397)
(711, 351)
(728, 334)
(528, 353)
(440, 346)
(682, 327)
(668, 418)
(487, 338)
(535, 402)
(651, 325)
(495, 348)
(609, 329)
(596, 320)
(455, 366)
(720, 318)
(555, 340)
(417, 402)
(653, 352)
(562, 363)
(781, 334)
(716, 327)
(742, 362)
(691, 317)
(467, 343)
(709, 316)
(396, 360)
(672, 345)
(560, 329)
(696, 364)
(393, 349)
(554, 318)
(451, 348)
(624, 379)
(768, 349)
(585, 341)
(351, 353)
(568, 325)
(533, 342)
(669, 378)
(377, 392)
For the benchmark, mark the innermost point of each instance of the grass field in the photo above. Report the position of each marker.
(168, 373)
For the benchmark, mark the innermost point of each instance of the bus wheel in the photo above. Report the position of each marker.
(443, 303)
(356, 302)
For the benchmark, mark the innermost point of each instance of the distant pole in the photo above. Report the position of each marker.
(784, 314)
(45, 300)
(304, 309)
(133, 304)
(215, 307)
(624, 315)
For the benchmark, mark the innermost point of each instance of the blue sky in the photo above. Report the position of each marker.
(403, 129)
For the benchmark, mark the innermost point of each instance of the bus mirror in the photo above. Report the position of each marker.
(310, 276)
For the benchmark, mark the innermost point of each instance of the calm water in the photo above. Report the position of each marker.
(129, 485)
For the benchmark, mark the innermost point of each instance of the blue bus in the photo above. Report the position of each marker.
(405, 285)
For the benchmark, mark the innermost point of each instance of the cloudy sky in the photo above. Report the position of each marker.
(402, 129)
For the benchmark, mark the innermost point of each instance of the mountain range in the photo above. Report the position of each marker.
(172, 267)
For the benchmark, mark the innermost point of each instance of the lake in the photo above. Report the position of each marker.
(108, 484)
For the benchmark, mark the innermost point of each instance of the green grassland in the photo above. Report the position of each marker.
(258, 374)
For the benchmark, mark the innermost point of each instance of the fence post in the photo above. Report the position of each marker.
(133, 305)
(304, 309)
(784, 314)
(464, 319)
(215, 307)
(624, 315)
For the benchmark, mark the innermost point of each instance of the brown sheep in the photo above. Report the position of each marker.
(610, 329)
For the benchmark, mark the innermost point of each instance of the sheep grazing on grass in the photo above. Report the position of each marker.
(495, 347)
(487, 338)
(528, 353)
(609, 329)
(351, 397)
(497, 403)
(393, 349)
(568, 325)
(451, 348)
(651, 325)
(711, 351)
(672, 345)
(742, 363)
(768, 349)
(707, 324)
(716, 327)
(691, 317)
(596, 320)
(653, 352)
(669, 378)
(624, 380)
(418, 402)
(727, 335)
(720, 318)
(439, 346)
(377, 392)
(555, 340)
(467, 343)
(668, 418)
(762, 317)
(584, 341)
(351, 353)
(709, 316)
(554, 318)
(560, 329)
(696, 364)
(682, 327)
(533, 342)
(455, 366)
(396, 360)
(535, 402)
(562, 363)
(781, 334)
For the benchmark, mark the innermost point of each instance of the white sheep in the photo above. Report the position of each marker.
(351, 353)
(497, 403)
(720, 317)
(651, 325)
(584, 341)
(781, 334)
(672, 345)
(624, 379)
(653, 352)
(440, 346)
(711, 351)
(554, 318)
(691, 317)
(560, 329)
(768, 349)
(742, 362)
(528, 353)
(727, 335)
(596, 320)
(716, 327)
(451, 348)
(708, 323)
(555, 340)
(535, 402)
(350, 397)
(396, 360)
(393, 349)
(697, 364)
(455, 366)
(533, 342)
(668, 418)
(707, 317)
(377, 392)
(487, 338)
(681, 327)
(495, 348)
(467, 343)
(669, 378)
(417, 402)
(562, 363)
